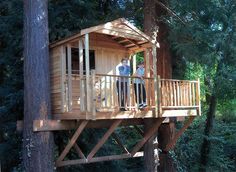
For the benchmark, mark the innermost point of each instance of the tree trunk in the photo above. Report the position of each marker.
(205, 149)
(149, 28)
(157, 29)
(38, 146)
(165, 134)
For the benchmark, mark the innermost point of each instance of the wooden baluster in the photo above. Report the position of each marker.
(175, 90)
(100, 92)
(110, 92)
(119, 87)
(198, 96)
(171, 93)
(105, 89)
(193, 94)
(69, 77)
(93, 96)
(180, 93)
(159, 96)
(82, 107)
(137, 93)
(190, 94)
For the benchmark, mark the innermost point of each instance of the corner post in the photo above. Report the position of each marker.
(87, 71)
(81, 73)
(156, 90)
(69, 77)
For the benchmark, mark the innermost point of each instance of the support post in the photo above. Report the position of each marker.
(198, 97)
(81, 73)
(87, 71)
(154, 56)
(69, 78)
(64, 104)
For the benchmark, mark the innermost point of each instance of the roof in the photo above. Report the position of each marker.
(116, 29)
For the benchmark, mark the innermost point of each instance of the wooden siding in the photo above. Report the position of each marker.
(55, 78)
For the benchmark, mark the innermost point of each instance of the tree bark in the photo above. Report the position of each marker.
(157, 29)
(37, 146)
(149, 28)
(206, 145)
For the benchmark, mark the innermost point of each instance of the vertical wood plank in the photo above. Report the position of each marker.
(105, 90)
(147, 74)
(110, 92)
(63, 78)
(193, 94)
(81, 73)
(159, 96)
(190, 93)
(87, 70)
(93, 96)
(154, 54)
(69, 77)
(178, 94)
(198, 96)
(175, 91)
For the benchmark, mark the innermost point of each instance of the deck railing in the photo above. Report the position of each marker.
(101, 93)
(179, 93)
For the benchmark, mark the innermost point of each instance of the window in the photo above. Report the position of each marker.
(75, 60)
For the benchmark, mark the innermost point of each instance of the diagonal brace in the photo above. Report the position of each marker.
(173, 141)
(103, 139)
(72, 141)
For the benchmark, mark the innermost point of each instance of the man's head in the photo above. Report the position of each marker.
(124, 61)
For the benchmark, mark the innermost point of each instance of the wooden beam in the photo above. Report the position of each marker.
(58, 125)
(140, 131)
(147, 135)
(120, 34)
(88, 89)
(154, 56)
(156, 44)
(122, 41)
(64, 104)
(79, 151)
(72, 141)
(81, 73)
(198, 97)
(98, 159)
(69, 73)
(93, 94)
(53, 125)
(103, 139)
(172, 143)
(118, 141)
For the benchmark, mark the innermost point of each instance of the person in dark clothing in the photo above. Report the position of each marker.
(139, 88)
(122, 83)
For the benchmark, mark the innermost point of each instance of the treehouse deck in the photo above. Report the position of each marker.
(84, 77)
(174, 98)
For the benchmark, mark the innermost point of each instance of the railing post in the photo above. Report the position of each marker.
(69, 77)
(87, 71)
(93, 95)
(159, 96)
(81, 73)
(154, 56)
(198, 96)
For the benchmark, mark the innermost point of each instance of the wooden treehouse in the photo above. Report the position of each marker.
(84, 91)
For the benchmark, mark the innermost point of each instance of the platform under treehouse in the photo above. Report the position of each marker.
(84, 92)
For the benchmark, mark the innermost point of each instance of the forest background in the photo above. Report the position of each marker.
(202, 38)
